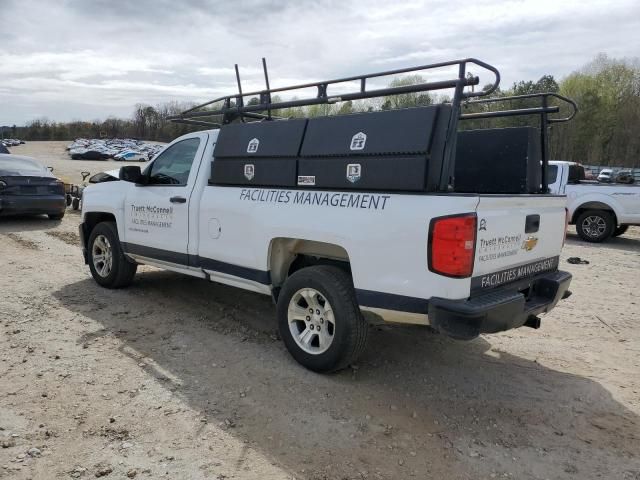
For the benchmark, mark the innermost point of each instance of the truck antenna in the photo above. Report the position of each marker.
(239, 100)
(268, 91)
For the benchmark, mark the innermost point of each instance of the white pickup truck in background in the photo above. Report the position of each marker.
(336, 216)
(598, 210)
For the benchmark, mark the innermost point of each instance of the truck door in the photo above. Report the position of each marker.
(157, 213)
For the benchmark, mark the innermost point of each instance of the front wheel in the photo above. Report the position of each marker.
(319, 319)
(621, 230)
(109, 267)
(595, 225)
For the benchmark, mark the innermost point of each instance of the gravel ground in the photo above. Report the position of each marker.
(178, 378)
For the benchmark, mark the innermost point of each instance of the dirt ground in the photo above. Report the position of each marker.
(178, 378)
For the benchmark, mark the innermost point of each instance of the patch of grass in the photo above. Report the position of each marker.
(22, 241)
(70, 238)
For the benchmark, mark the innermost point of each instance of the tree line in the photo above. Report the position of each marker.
(606, 130)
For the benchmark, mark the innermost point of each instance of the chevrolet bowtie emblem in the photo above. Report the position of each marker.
(530, 243)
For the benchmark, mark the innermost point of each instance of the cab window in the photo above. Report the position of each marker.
(576, 174)
(172, 166)
(552, 174)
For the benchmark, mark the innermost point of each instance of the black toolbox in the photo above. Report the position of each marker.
(498, 160)
(388, 150)
(258, 153)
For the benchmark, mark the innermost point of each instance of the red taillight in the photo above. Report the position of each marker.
(452, 245)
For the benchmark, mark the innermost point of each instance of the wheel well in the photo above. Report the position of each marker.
(92, 219)
(288, 255)
(592, 206)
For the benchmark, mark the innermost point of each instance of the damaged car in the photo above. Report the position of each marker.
(29, 188)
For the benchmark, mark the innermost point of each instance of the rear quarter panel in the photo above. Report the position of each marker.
(385, 235)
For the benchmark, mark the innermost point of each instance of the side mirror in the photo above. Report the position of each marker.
(131, 173)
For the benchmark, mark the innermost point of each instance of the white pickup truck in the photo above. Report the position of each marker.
(332, 218)
(598, 210)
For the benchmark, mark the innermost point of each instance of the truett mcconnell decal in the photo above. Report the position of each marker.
(151, 216)
(498, 246)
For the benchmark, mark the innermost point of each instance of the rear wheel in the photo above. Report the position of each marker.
(620, 230)
(319, 319)
(109, 267)
(595, 225)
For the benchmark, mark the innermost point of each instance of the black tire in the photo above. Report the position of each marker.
(122, 270)
(595, 225)
(75, 203)
(56, 216)
(621, 230)
(350, 329)
(68, 199)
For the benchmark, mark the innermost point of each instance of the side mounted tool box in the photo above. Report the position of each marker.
(258, 153)
(389, 150)
(498, 160)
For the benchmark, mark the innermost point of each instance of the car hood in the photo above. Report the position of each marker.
(108, 176)
(21, 166)
(26, 172)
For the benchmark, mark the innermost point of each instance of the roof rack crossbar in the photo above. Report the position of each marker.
(510, 113)
(323, 98)
(199, 123)
(542, 96)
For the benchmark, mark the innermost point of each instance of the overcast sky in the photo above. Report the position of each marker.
(84, 59)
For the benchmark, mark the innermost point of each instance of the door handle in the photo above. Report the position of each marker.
(178, 200)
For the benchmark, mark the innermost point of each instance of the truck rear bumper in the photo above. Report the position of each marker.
(499, 310)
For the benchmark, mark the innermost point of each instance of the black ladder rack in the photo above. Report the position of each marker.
(234, 107)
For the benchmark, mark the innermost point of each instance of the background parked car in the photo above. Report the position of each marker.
(131, 156)
(625, 176)
(605, 175)
(27, 187)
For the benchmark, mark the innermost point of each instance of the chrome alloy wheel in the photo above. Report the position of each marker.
(311, 321)
(594, 226)
(102, 256)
